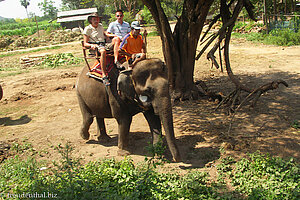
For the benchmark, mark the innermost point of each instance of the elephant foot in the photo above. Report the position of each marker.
(122, 152)
(104, 138)
(85, 135)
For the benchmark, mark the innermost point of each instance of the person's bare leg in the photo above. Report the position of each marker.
(116, 42)
(103, 60)
(142, 57)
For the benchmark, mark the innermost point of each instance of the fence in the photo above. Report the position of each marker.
(284, 21)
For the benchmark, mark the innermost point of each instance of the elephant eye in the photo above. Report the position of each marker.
(142, 77)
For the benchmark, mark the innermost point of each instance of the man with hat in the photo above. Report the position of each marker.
(133, 45)
(94, 38)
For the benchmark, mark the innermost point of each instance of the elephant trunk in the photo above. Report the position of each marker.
(162, 106)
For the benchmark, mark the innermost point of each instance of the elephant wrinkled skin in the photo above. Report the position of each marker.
(149, 81)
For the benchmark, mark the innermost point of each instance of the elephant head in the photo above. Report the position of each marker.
(149, 82)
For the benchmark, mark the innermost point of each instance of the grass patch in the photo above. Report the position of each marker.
(25, 52)
(61, 60)
(153, 33)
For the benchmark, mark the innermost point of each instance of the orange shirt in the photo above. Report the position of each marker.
(132, 45)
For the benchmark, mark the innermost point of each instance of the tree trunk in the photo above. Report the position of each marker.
(27, 13)
(285, 7)
(275, 10)
(179, 47)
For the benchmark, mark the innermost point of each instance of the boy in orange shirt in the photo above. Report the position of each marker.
(133, 45)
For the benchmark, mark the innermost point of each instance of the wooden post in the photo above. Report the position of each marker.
(37, 26)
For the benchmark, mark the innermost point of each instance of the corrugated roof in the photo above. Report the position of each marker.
(73, 18)
(76, 12)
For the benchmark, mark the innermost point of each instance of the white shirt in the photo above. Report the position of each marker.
(95, 34)
(119, 29)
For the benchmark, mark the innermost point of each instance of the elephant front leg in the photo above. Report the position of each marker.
(123, 139)
(102, 134)
(154, 124)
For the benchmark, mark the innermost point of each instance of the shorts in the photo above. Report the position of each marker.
(138, 55)
(106, 46)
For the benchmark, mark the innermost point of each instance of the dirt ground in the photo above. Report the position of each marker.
(41, 107)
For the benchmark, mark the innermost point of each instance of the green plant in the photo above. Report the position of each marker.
(281, 37)
(25, 29)
(21, 147)
(147, 16)
(265, 177)
(295, 124)
(56, 60)
(257, 177)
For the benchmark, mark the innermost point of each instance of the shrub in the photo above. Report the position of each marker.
(281, 37)
(265, 177)
(56, 60)
(258, 177)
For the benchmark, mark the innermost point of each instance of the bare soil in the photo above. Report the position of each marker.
(41, 107)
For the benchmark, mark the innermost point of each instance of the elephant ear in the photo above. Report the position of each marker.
(125, 86)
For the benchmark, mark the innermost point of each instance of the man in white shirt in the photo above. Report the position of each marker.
(94, 38)
(119, 28)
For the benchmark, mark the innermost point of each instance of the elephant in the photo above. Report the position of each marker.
(144, 89)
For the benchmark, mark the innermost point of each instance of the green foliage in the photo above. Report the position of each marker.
(280, 37)
(25, 29)
(47, 6)
(25, 3)
(21, 147)
(258, 177)
(295, 124)
(147, 16)
(104, 179)
(56, 60)
(283, 37)
(16, 174)
(265, 177)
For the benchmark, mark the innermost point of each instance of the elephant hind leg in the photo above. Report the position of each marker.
(84, 131)
(102, 134)
(87, 118)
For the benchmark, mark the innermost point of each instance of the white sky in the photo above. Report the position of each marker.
(13, 8)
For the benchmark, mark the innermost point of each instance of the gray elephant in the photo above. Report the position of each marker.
(145, 89)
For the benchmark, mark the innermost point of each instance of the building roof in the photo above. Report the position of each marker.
(75, 15)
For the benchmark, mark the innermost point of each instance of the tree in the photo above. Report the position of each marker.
(25, 4)
(47, 6)
(179, 47)
(75, 4)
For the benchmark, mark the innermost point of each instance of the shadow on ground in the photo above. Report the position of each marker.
(7, 121)
(259, 128)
